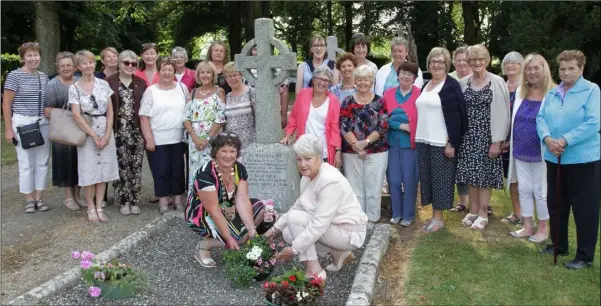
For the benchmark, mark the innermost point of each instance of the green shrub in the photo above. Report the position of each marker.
(9, 62)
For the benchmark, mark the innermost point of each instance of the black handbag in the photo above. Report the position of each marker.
(30, 135)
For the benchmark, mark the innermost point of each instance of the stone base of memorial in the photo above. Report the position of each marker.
(272, 173)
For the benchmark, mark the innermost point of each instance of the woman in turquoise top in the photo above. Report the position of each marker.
(346, 64)
(568, 124)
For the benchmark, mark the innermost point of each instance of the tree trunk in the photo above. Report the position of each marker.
(253, 11)
(47, 30)
(234, 34)
(265, 9)
(348, 25)
(330, 21)
(470, 11)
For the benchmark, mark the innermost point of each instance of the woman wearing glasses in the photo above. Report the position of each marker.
(317, 58)
(90, 100)
(127, 94)
(203, 117)
(317, 111)
(240, 107)
(182, 73)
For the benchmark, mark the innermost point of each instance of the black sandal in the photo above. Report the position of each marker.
(41, 206)
(30, 206)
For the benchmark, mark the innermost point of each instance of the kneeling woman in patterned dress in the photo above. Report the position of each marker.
(219, 209)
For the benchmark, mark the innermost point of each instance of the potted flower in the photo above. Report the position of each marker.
(270, 215)
(113, 280)
(293, 289)
(254, 261)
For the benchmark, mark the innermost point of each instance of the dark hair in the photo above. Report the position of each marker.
(167, 61)
(346, 57)
(408, 66)
(225, 139)
(146, 47)
(360, 39)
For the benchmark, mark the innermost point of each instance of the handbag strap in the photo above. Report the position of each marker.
(40, 110)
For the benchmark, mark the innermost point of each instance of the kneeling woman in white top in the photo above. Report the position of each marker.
(327, 217)
(161, 120)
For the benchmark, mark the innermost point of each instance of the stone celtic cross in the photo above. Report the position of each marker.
(267, 109)
(332, 47)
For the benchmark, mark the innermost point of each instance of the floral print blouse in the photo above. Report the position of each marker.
(362, 120)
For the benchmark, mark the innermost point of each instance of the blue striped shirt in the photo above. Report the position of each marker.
(27, 89)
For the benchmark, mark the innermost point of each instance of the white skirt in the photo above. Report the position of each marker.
(97, 166)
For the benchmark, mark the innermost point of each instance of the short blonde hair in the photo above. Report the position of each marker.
(568, 55)
(364, 71)
(83, 54)
(308, 145)
(477, 51)
(229, 68)
(548, 83)
(437, 51)
(512, 57)
(206, 65)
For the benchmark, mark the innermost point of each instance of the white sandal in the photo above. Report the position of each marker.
(480, 223)
(468, 220)
(206, 262)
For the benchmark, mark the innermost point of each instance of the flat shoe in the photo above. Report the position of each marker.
(207, 262)
(41, 206)
(537, 238)
(347, 256)
(30, 206)
(519, 234)
(92, 216)
(101, 216)
(71, 204)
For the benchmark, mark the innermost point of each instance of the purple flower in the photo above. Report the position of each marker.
(94, 291)
(99, 275)
(259, 261)
(86, 264)
(272, 261)
(87, 255)
(75, 255)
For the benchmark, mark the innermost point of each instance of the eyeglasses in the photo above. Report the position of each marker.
(478, 60)
(321, 80)
(319, 46)
(130, 63)
(437, 63)
(66, 66)
(93, 100)
(233, 76)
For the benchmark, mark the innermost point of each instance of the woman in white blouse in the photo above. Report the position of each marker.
(161, 119)
(387, 75)
(90, 97)
(327, 217)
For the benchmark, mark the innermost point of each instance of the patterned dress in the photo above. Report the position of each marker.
(362, 120)
(474, 166)
(130, 150)
(199, 219)
(239, 113)
(202, 113)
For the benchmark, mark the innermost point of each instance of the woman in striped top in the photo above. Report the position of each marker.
(24, 93)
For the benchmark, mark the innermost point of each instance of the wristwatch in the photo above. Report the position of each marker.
(367, 139)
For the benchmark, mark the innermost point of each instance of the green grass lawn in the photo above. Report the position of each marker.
(9, 155)
(458, 265)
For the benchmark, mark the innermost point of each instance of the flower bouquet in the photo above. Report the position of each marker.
(112, 280)
(293, 289)
(254, 261)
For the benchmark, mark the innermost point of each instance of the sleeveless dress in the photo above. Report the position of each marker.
(239, 113)
(474, 166)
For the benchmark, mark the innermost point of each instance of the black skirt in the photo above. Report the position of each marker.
(64, 165)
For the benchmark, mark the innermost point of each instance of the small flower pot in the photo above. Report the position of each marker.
(113, 292)
(262, 276)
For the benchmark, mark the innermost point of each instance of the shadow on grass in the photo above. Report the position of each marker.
(458, 265)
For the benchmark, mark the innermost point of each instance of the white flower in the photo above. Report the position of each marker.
(254, 254)
(299, 297)
(305, 294)
(273, 296)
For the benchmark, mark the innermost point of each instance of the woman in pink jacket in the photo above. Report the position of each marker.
(317, 111)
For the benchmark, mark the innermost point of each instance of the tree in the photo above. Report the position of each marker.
(348, 23)
(47, 30)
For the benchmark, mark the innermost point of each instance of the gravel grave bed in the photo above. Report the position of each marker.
(176, 278)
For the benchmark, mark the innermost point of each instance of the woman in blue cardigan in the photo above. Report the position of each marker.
(568, 124)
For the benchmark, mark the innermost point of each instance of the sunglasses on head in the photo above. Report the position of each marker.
(224, 134)
(93, 100)
(130, 63)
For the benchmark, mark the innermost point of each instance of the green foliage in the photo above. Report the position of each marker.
(292, 288)
(9, 63)
(114, 272)
(241, 270)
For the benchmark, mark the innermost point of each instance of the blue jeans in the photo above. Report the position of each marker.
(402, 171)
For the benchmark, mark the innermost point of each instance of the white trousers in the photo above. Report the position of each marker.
(336, 237)
(531, 189)
(366, 177)
(33, 163)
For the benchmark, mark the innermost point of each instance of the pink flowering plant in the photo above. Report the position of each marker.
(253, 261)
(115, 273)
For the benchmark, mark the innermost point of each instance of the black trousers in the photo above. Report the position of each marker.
(579, 187)
(167, 167)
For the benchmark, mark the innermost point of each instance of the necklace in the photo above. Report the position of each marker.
(481, 81)
(363, 100)
(512, 85)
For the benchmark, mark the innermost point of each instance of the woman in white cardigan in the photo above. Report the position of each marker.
(526, 163)
(327, 217)
(387, 77)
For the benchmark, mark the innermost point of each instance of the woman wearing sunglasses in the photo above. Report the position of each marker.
(127, 94)
(97, 158)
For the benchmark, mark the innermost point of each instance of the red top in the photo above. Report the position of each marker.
(300, 113)
(408, 107)
(141, 74)
(189, 79)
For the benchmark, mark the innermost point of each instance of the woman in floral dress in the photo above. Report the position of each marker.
(128, 90)
(240, 107)
(203, 117)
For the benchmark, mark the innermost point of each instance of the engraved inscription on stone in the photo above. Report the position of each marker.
(271, 168)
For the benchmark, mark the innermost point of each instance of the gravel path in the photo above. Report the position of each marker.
(36, 247)
(176, 278)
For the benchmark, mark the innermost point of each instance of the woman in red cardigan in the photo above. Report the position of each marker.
(316, 111)
(183, 74)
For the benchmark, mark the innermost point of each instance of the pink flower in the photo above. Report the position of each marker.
(281, 244)
(259, 261)
(75, 255)
(272, 261)
(99, 275)
(86, 263)
(272, 246)
(94, 291)
(87, 255)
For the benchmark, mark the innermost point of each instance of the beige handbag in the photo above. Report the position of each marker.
(63, 129)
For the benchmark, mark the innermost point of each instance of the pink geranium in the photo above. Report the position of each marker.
(94, 291)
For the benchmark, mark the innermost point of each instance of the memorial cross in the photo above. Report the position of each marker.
(332, 47)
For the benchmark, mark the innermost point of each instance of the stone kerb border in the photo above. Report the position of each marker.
(71, 276)
(366, 274)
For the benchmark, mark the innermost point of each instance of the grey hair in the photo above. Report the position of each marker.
(179, 50)
(63, 55)
(308, 145)
(125, 54)
(323, 70)
(460, 50)
(364, 71)
(512, 57)
(399, 41)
